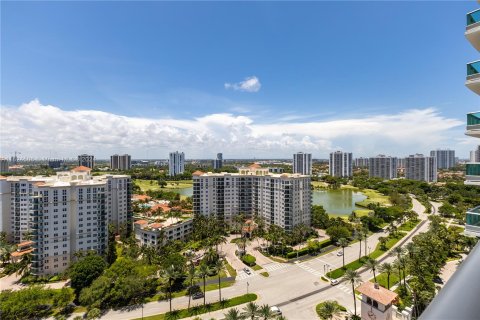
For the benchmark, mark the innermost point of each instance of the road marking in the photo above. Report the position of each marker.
(310, 269)
(275, 266)
(242, 275)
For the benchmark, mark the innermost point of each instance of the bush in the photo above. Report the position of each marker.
(249, 260)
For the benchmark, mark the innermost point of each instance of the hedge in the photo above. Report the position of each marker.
(304, 251)
(249, 260)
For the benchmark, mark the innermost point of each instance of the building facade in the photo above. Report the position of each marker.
(85, 160)
(3, 165)
(421, 168)
(340, 164)
(302, 163)
(280, 199)
(63, 214)
(445, 158)
(176, 163)
(218, 163)
(361, 162)
(383, 167)
(153, 234)
(120, 162)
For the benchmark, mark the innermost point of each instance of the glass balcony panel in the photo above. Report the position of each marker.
(473, 17)
(473, 118)
(473, 68)
(473, 169)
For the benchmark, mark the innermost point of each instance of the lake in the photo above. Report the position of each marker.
(338, 202)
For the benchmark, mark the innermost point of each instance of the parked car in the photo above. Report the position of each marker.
(438, 280)
(197, 295)
(334, 282)
(247, 271)
(340, 253)
(275, 311)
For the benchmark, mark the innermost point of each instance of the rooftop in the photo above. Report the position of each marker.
(377, 292)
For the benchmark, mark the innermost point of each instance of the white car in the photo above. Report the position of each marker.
(334, 282)
(276, 311)
(340, 253)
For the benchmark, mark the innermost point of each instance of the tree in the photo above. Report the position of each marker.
(84, 271)
(353, 277)
(388, 269)
(233, 314)
(337, 231)
(342, 242)
(111, 255)
(203, 273)
(251, 310)
(320, 218)
(170, 274)
(265, 313)
(359, 237)
(94, 313)
(328, 309)
(218, 267)
(191, 278)
(372, 264)
(383, 243)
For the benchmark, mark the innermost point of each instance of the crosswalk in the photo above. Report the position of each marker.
(310, 269)
(344, 288)
(241, 275)
(275, 266)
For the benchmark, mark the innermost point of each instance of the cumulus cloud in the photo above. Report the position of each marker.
(250, 84)
(36, 129)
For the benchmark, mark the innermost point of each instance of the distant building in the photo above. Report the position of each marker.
(85, 160)
(340, 164)
(302, 163)
(276, 170)
(445, 158)
(475, 155)
(421, 168)
(120, 162)
(280, 199)
(401, 163)
(383, 167)
(176, 164)
(361, 162)
(153, 234)
(3, 165)
(55, 164)
(218, 163)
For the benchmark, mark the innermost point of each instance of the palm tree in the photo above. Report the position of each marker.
(233, 314)
(191, 279)
(372, 264)
(383, 242)
(218, 267)
(398, 251)
(265, 313)
(388, 269)
(365, 240)
(328, 310)
(24, 264)
(203, 273)
(171, 274)
(397, 265)
(359, 237)
(353, 277)
(342, 242)
(251, 310)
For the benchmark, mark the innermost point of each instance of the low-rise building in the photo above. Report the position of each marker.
(154, 233)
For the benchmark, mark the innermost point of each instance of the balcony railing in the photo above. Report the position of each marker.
(459, 298)
(473, 118)
(473, 70)
(473, 169)
(473, 18)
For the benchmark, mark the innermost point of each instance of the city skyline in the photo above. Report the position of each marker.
(145, 100)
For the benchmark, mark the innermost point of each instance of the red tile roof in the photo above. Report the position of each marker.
(197, 173)
(141, 222)
(25, 243)
(255, 166)
(81, 169)
(141, 197)
(156, 225)
(21, 253)
(379, 293)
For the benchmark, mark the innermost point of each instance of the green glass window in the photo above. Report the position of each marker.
(473, 169)
(473, 68)
(473, 17)
(473, 219)
(473, 118)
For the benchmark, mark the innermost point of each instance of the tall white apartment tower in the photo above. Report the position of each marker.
(421, 168)
(302, 163)
(176, 164)
(383, 167)
(340, 164)
(86, 160)
(3, 165)
(120, 162)
(445, 158)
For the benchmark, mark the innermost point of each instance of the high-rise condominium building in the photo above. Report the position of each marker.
(421, 168)
(401, 163)
(383, 167)
(472, 175)
(340, 164)
(445, 158)
(176, 164)
(64, 214)
(475, 155)
(361, 162)
(280, 199)
(218, 163)
(86, 160)
(302, 163)
(3, 165)
(123, 162)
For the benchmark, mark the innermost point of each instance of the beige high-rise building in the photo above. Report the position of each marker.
(120, 162)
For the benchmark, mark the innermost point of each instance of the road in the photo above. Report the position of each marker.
(295, 288)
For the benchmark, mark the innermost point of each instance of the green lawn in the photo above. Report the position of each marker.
(373, 196)
(382, 279)
(257, 267)
(146, 185)
(317, 308)
(231, 270)
(409, 225)
(265, 274)
(362, 212)
(319, 184)
(184, 313)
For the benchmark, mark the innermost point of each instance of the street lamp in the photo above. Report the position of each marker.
(247, 286)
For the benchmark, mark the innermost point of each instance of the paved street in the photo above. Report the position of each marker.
(295, 288)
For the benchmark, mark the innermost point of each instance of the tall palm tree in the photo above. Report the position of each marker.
(191, 278)
(397, 265)
(359, 237)
(233, 314)
(203, 273)
(342, 242)
(372, 264)
(170, 274)
(218, 267)
(365, 240)
(251, 310)
(353, 277)
(398, 251)
(265, 313)
(388, 269)
(24, 264)
(328, 310)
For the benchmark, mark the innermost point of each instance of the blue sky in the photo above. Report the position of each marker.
(317, 63)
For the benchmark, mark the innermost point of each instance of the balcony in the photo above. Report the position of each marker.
(472, 32)
(473, 76)
(473, 124)
(472, 226)
(472, 173)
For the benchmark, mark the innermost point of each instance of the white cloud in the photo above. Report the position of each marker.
(39, 130)
(250, 84)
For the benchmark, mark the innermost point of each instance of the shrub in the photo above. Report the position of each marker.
(249, 260)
